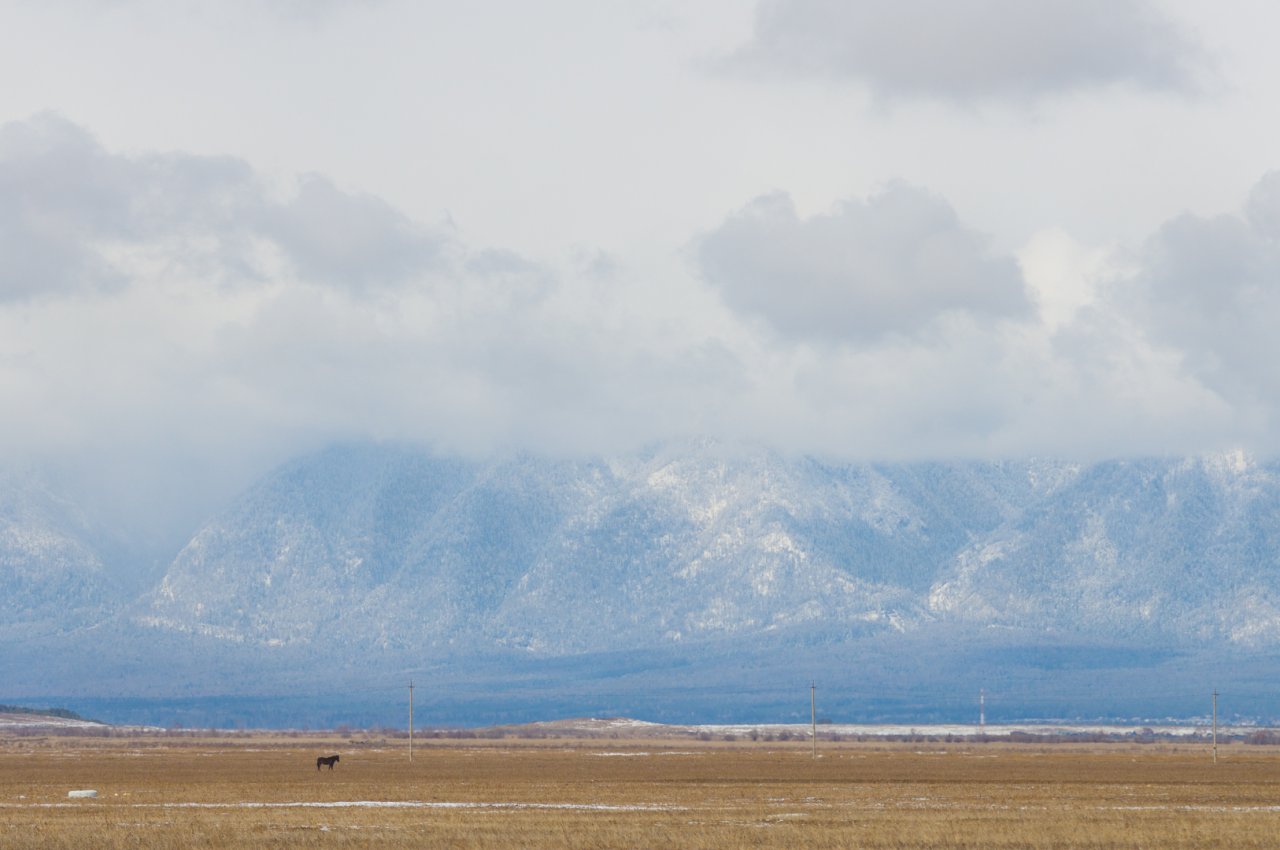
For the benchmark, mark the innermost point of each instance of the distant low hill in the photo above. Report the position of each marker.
(61, 713)
(14, 718)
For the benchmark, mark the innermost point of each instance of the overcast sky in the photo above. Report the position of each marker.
(231, 232)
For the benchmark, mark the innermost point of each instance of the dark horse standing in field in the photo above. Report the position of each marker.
(329, 760)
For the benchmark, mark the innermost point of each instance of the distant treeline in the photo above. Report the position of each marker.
(41, 712)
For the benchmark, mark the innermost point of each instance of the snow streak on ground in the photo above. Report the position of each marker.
(889, 730)
(372, 804)
(618, 726)
(913, 803)
(13, 722)
(635, 755)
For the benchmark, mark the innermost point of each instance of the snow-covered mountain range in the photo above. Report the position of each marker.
(394, 548)
(690, 551)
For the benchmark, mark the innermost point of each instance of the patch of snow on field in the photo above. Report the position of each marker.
(1191, 807)
(382, 804)
(889, 730)
(600, 724)
(623, 723)
(638, 755)
(9, 722)
(419, 804)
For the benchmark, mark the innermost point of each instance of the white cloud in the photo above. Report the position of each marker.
(974, 50)
(69, 209)
(53, 198)
(1263, 207)
(1062, 274)
(351, 239)
(887, 265)
(1209, 289)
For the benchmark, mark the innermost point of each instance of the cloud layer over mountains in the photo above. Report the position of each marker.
(844, 229)
(180, 300)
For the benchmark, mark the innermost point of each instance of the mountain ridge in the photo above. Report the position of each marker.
(369, 557)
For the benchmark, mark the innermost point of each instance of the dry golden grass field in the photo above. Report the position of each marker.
(263, 792)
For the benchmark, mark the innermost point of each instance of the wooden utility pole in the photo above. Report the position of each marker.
(411, 720)
(1215, 725)
(813, 717)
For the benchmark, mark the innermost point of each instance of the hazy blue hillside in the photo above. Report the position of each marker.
(52, 572)
(665, 580)
(363, 547)
(1179, 551)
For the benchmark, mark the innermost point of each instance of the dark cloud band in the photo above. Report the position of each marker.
(973, 50)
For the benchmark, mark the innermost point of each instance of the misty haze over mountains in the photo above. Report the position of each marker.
(693, 580)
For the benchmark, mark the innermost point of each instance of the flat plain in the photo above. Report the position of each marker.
(263, 791)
